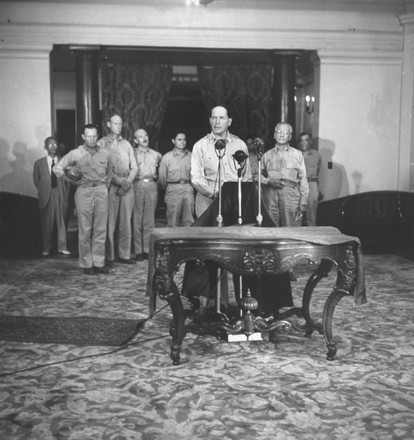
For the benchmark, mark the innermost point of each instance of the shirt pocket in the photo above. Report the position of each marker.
(273, 169)
(291, 171)
(101, 166)
(187, 169)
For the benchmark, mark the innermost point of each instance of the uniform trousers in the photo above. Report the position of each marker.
(92, 208)
(54, 212)
(145, 205)
(282, 205)
(120, 209)
(179, 199)
(312, 203)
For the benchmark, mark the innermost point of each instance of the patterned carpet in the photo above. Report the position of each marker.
(282, 389)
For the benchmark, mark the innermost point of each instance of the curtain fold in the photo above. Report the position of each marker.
(245, 90)
(138, 93)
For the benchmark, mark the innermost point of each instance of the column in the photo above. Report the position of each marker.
(406, 153)
(284, 91)
(87, 89)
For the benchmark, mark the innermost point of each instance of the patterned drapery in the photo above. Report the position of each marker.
(138, 93)
(245, 90)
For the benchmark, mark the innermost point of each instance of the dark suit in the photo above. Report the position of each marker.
(53, 204)
(273, 292)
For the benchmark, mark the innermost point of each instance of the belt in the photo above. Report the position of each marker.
(92, 184)
(313, 179)
(290, 184)
(146, 179)
(178, 181)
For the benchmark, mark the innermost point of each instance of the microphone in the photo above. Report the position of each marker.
(220, 144)
(240, 156)
(259, 146)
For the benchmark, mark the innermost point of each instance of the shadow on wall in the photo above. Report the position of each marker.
(16, 175)
(357, 180)
(333, 180)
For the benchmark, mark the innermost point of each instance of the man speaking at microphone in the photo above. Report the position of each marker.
(219, 145)
(206, 154)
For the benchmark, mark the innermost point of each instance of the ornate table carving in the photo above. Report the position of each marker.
(253, 251)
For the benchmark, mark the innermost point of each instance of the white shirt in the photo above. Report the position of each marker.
(205, 164)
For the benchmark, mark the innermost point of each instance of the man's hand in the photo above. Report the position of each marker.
(125, 185)
(299, 213)
(73, 173)
(120, 191)
(276, 183)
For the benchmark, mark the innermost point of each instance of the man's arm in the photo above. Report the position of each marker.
(197, 176)
(319, 172)
(125, 182)
(266, 180)
(303, 184)
(60, 167)
(133, 167)
(36, 175)
(162, 173)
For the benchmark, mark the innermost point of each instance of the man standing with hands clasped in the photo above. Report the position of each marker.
(53, 199)
(313, 163)
(146, 193)
(286, 189)
(120, 194)
(174, 177)
(88, 165)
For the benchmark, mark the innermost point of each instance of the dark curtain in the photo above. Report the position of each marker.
(138, 93)
(245, 90)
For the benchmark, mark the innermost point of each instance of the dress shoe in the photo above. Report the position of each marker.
(145, 256)
(126, 261)
(139, 257)
(110, 263)
(103, 270)
(89, 271)
(65, 252)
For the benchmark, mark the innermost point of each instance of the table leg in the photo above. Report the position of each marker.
(177, 329)
(328, 311)
(321, 272)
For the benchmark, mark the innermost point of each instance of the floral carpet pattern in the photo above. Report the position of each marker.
(277, 389)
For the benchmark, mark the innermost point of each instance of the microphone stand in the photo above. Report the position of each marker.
(239, 157)
(259, 147)
(220, 148)
(239, 195)
(248, 302)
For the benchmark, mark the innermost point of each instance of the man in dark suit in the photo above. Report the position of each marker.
(53, 199)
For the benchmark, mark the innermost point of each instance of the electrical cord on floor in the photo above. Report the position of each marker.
(124, 345)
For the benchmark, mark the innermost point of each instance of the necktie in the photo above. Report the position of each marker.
(53, 175)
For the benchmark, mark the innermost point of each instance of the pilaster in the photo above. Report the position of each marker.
(406, 157)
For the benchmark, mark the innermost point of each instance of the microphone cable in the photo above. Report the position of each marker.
(124, 345)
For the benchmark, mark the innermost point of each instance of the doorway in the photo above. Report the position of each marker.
(66, 129)
(185, 110)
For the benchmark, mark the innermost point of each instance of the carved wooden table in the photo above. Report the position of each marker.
(255, 251)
